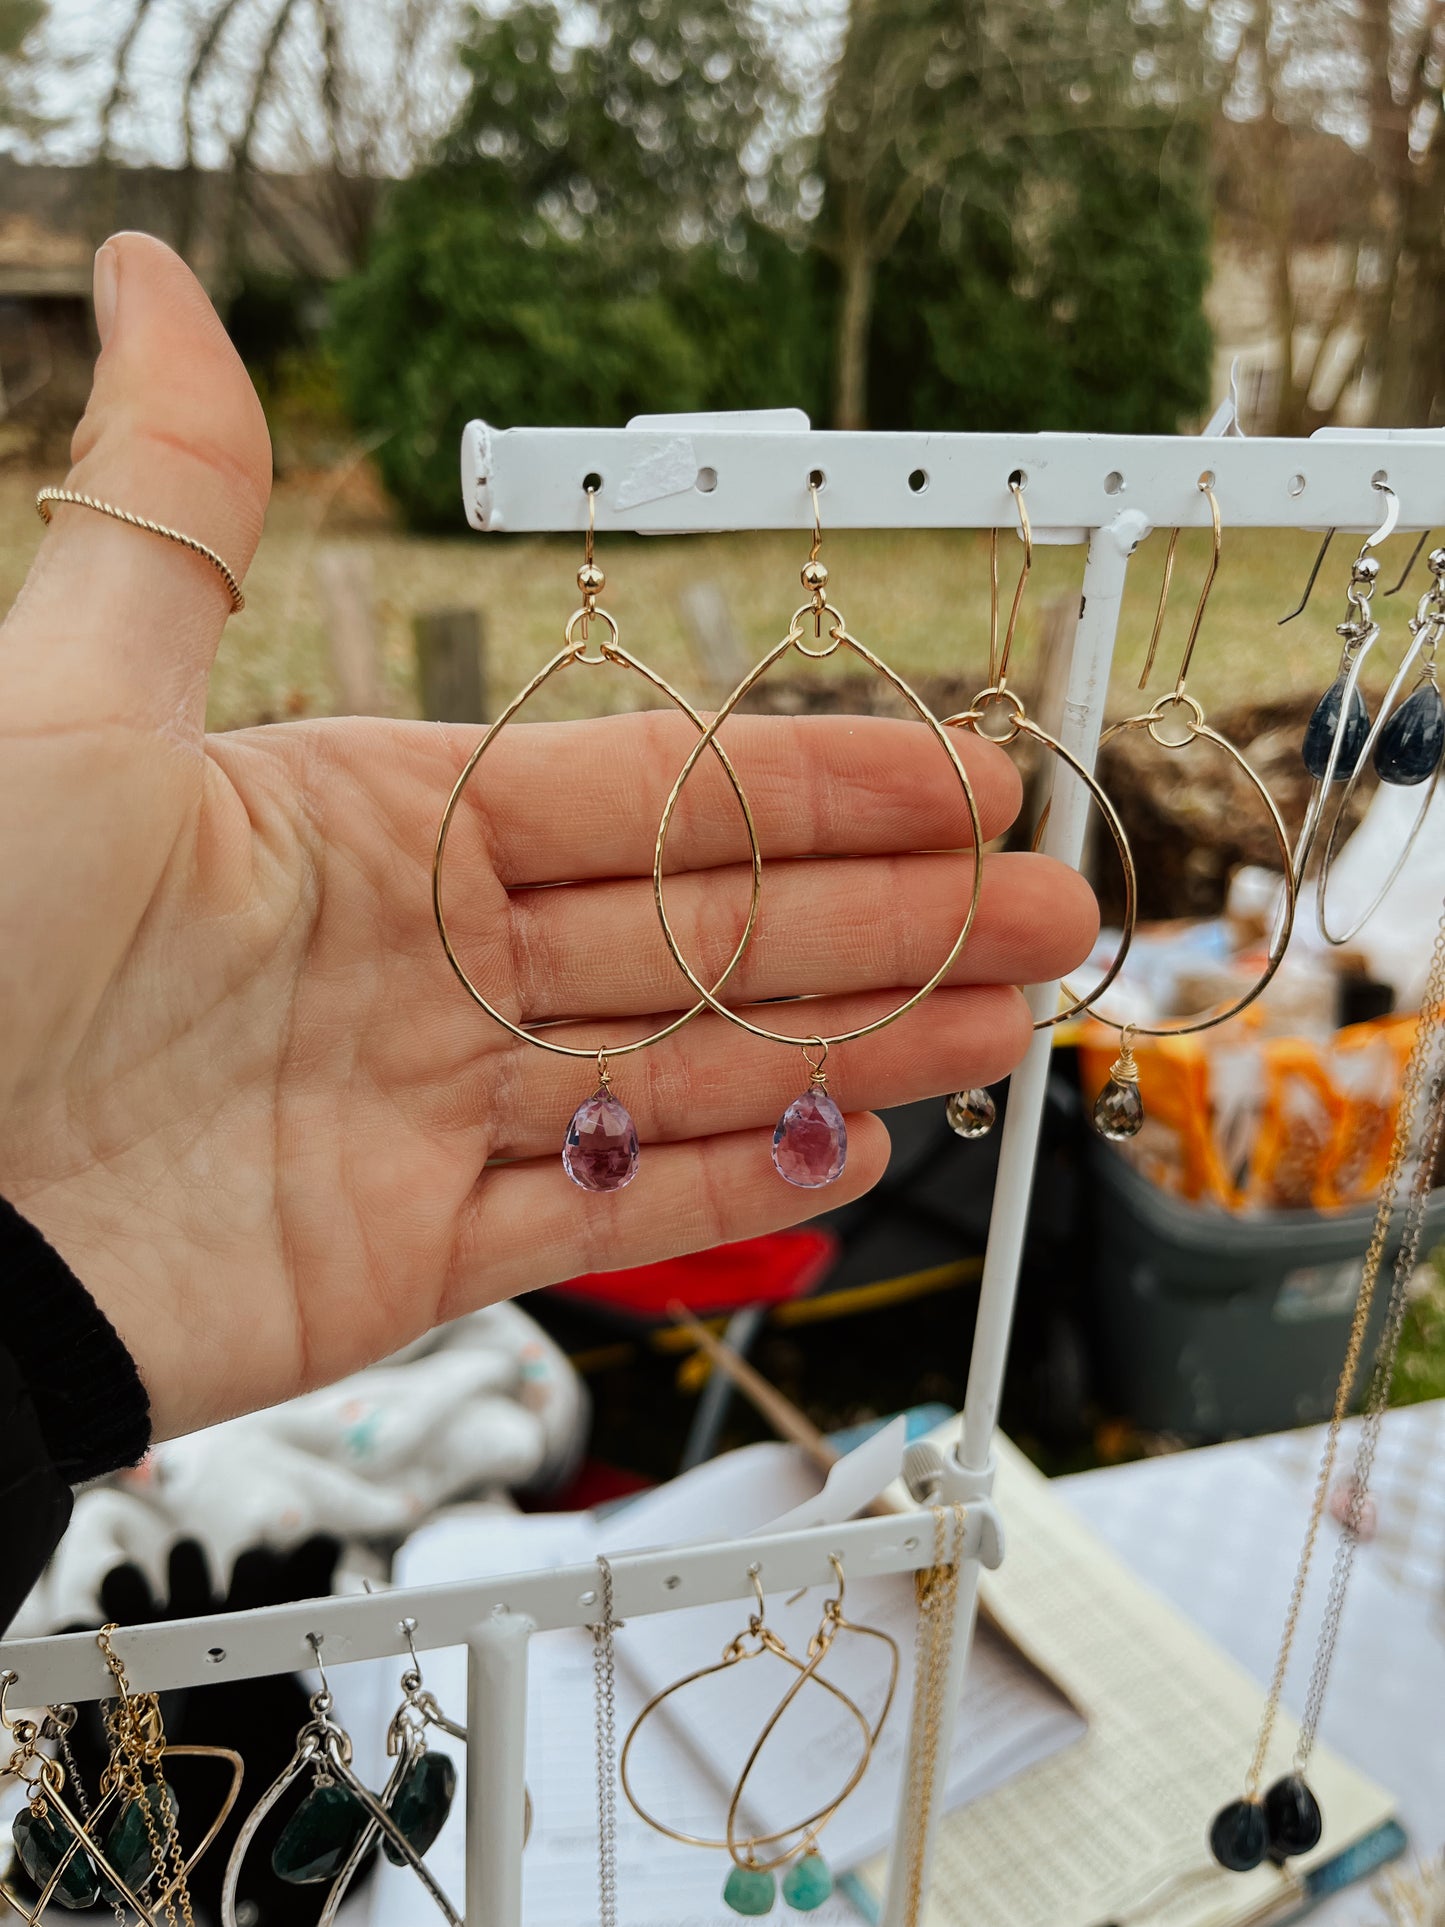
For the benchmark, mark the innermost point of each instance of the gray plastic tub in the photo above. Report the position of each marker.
(1215, 1326)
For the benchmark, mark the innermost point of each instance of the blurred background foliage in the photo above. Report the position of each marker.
(894, 213)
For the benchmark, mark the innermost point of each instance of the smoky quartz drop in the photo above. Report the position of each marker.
(1320, 732)
(421, 1804)
(1292, 1814)
(1239, 1837)
(1408, 749)
(971, 1113)
(1118, 1110)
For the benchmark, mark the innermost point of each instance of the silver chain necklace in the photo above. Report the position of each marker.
(604, 1681)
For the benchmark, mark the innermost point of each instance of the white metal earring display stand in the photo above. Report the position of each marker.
(698, 474)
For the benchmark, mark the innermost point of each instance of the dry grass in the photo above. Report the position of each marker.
(921, 600)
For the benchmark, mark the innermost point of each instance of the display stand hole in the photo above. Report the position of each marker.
(918, 480)
(592, 482)
(707, 480)
(1206, 480)
(1380, 477)
(672, 1581)
(216, 1654)
(1019, 478)
(1113, 483)
(817, 479)
(1296, 484)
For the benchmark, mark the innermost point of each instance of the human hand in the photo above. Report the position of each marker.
(241, 1091)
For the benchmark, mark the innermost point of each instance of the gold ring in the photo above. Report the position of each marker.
(47, 497)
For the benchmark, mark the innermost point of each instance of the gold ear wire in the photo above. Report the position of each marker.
(1206, 488)
(998, 662)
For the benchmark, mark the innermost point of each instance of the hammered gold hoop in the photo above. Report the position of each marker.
(1284, 926)
(48, 497)
(609, 652)
(838, 637)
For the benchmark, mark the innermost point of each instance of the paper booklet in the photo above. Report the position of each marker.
(1095, 1735)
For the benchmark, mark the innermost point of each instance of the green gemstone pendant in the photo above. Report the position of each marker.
(317, 1840)
(41, 1840)
(421, 1804)
(807, 1883)
(748, 1890)
(128, 1844)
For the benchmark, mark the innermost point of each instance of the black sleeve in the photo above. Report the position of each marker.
(71, 1398)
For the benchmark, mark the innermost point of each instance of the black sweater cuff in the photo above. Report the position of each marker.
(88, 1401)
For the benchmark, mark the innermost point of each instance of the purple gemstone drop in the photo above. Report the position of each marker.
(599, 1152)
(810, 1145)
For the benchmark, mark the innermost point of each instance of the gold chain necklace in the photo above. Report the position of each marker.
(937, 1588)
(1286, 1820)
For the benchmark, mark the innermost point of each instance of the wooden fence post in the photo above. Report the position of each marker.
(345, 584)
(450, 646)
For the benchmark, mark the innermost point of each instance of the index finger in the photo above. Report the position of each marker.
(561, 802)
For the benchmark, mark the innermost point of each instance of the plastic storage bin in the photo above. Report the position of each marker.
(1214, 1326)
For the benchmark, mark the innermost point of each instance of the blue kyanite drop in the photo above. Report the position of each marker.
(1408, 749)
(1320, 733)
(748, 1890)
(1239, 1836)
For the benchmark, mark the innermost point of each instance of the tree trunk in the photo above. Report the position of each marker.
(855, 323)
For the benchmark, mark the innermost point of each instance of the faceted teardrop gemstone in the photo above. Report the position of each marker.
(971, 1113)
(807, 1883)
(810, 1145)
(599, 1152)
(1408, 749)
(128, 1844)
(1118, 1110)
(41, 1840)
(1292, 1814)
(421, 1804)
(1320, 732)
(316, 1842)
(1239, 1837)
(747, 1890)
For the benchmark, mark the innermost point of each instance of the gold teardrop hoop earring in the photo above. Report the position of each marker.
(751, 1883)
(600, 1150)
(971, 1113)
(810, 1144)
(1174, 722)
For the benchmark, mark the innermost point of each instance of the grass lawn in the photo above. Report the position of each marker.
(920, 600)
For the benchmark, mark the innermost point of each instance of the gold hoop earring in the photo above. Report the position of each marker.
(600, 1148)
(971, 1113)
(1119, 1111)
(66, 1850)
(751, 1882)
(810, 1143)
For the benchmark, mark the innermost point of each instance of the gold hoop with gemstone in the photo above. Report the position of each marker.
(601, 1133)
(815, 612)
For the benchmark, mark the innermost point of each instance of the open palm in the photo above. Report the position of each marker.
(243, 1093)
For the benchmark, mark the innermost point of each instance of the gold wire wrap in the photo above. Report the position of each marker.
(47, 497)
(611, 652)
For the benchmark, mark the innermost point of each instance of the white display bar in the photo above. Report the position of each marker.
(694, 477)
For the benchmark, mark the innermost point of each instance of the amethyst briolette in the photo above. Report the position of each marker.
(810, 1145)
(600, 1150)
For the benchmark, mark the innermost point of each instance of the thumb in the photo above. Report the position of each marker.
(116, 625)
(104, 658)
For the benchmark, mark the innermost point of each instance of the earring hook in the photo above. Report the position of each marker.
(1206, 488)
(755, 1574)
(1371, 541)
(817, 522)
(314, 1640)
(407, 1629)
(998, 664)
(591, 524)
(1409, 566)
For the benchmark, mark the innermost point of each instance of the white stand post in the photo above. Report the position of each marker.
(970, 1476)
(496, 1769)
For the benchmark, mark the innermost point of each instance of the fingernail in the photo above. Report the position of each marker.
(106, 291)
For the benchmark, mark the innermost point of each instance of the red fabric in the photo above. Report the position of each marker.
(757, 1271)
